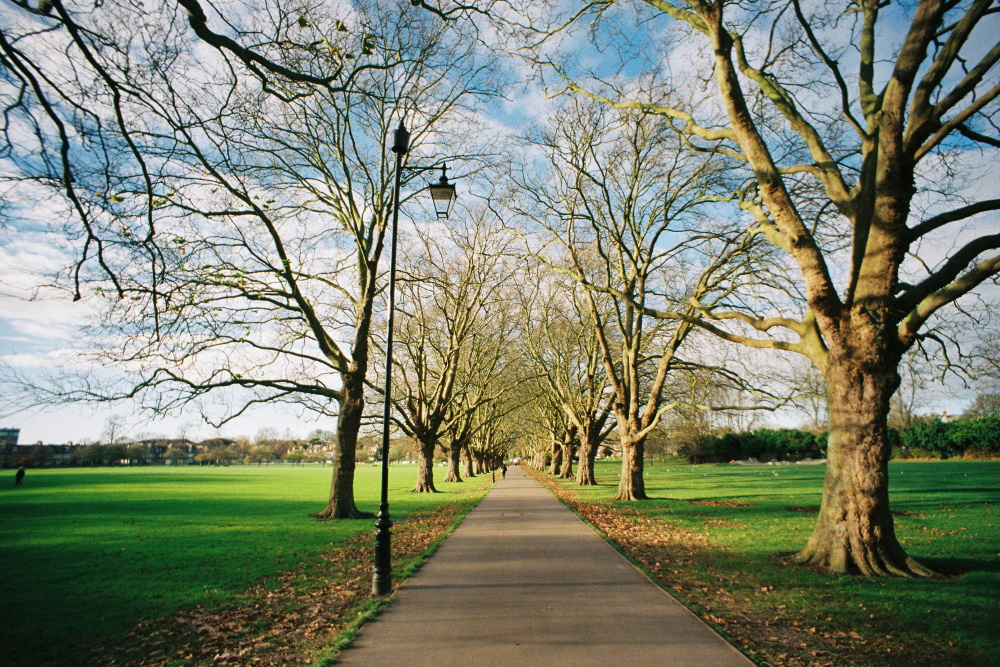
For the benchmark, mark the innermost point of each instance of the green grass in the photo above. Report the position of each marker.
(947, 515)
(87, 553)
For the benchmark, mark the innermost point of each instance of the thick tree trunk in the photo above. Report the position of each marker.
(588, 453)
(566, 465)
(854, 532)
(566, 469)
(341, 504)
(556, 459)
(467, 462)
(454, 459)
(425, 467)
(631, 486)
(568, 445)
(538, 460)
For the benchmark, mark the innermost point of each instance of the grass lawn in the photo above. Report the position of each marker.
(715, 530)
(87, 553)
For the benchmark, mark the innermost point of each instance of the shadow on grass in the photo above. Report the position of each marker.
(959, 566)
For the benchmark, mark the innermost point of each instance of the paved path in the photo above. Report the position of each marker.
(523, 581)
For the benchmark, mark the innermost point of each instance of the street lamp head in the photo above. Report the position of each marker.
(401, 139)
(443, 194)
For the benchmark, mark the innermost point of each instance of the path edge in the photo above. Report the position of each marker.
(539, 477)
(373, 607)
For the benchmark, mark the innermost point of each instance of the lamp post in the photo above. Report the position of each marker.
(443, 195)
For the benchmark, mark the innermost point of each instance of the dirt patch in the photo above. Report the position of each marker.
(720, 503)
(284, 622)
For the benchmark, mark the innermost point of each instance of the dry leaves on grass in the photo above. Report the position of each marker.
(773, 635)
(282, 624)
(720, 503)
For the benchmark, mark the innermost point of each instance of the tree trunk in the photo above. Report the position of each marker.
(556, 459)
(631, 486)
(454, 458)
(854, 532)
(467, 462)
(588, 453)
(425, 466)
(568, 445)
(566, 470)
(538, 460)
(341, 504)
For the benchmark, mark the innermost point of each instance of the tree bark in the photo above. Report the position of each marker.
(566, 469)
(632, 486)
(341, 504)
(854, 532)
(588, 453)
(467, 462)
(425, 467)
(556, 459)
(567, 447)
(454, 459)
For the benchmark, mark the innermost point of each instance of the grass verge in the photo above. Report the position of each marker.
(711, 536)
(196, 565)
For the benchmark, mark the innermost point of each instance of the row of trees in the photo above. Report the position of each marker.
(847, 177)
(226, 182)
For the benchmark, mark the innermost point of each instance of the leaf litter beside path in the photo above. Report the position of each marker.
(702, 576)
(293, 619)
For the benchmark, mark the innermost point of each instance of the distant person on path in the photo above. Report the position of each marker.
(503, 471)
(19, 477)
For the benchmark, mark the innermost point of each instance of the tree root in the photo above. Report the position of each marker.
(630, 496)
(354, 513)
(424, 488)
(867, 563)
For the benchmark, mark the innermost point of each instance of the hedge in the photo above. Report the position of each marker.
(974, 438)
(765, 444)
(979, 436)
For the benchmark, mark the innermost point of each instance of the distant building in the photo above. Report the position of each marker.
(8, 436)
(35, 456)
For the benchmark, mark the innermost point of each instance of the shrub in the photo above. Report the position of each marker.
(981, 433)
(783, 444)
(937, 439)
(175, 455)
(929, 437)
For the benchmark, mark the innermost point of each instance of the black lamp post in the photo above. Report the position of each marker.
(443, 195)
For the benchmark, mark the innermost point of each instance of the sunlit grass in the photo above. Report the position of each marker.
(946, 515)
(86, 553)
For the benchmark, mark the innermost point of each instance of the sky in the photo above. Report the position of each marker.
(40, 327)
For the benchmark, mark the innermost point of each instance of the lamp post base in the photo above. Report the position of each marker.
(382, 577)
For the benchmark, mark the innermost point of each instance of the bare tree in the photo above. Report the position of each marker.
(914, 378)
(863, 137)
(240, 207)
(619, 195)
(566, 353)
(454, 335)
(114, 428)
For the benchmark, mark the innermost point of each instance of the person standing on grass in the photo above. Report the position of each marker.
(19, 477)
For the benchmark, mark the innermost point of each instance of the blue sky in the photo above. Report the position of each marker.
(40, 328)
